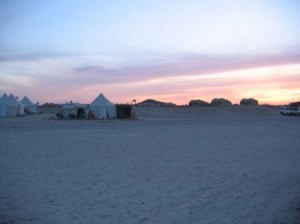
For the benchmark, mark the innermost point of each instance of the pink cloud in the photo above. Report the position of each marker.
(181, 65)
(170, 81)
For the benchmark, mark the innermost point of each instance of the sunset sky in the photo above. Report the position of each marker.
(169, 50)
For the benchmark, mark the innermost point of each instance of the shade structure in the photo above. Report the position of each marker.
(72, 111)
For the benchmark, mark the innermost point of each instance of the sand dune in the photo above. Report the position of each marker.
(172, 165)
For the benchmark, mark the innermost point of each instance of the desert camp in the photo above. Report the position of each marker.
(11, 106)
(135, 169)
(107, 158)
(150, 112)
(99, 109)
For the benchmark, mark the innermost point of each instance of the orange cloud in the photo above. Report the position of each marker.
(273, 79)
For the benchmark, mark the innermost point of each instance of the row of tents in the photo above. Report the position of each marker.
(11, 106)
(100, 108)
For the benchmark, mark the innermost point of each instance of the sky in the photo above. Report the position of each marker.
(168, 50)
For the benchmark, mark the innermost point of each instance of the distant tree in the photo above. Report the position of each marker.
(220, 102)
(249, 102)
(198, 103)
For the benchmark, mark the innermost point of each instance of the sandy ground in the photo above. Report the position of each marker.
(172, 165)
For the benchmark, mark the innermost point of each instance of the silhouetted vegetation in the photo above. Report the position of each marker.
(198, 102)
(249, 102)
(220, 102)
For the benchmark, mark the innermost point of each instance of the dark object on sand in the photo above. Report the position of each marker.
(125, 111)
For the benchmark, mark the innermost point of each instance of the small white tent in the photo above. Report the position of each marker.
(29, 106)
(8, 108)
(20, 106)
(103, 108)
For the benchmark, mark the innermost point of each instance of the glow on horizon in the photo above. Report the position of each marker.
(275, 85)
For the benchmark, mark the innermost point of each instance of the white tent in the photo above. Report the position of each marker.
(20, 106)
(29, 106)
(8, 108)
(103, 108)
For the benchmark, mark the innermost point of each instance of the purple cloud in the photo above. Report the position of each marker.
(182, 65)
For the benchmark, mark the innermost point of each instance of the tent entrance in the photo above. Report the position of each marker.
(81, 113)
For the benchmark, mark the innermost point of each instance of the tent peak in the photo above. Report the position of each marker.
(101, 100)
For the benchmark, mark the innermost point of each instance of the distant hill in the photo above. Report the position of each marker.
(198, 102)
(151, 102)
(295, 104)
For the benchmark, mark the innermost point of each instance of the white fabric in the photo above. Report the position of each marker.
(29, 106)
(20, 106)
(8, 108)
(3, 111)
(103, 108)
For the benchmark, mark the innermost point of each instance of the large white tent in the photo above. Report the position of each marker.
(8, 108)
(103, 108)
(20, 106)
(29, 106)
